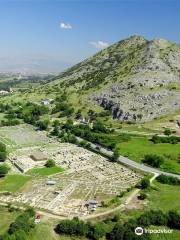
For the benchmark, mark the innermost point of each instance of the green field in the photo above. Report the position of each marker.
(13, 183)
(137, 147)
(45, 171)
(165, 236)
(166, 197)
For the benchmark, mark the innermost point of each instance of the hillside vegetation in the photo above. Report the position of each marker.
(136, 79)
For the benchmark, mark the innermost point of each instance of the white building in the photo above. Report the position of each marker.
(3, 92)
(46, 101)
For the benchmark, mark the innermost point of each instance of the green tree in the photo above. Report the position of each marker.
(145, 183)
(96, 231)
(50, 163)
(117, 232)
(78, 114)
(115, 155)
(2, 147)
(3, 156)
(174, 220)
(153, 160)
(3, 170)
(43, 124)
(142, 196)
(167, 131)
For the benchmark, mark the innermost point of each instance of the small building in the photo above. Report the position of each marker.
(38, 156)
(92, 205)
(51, 182)
(10, 90)
(3, 92)
(84, 120)
(46, 101)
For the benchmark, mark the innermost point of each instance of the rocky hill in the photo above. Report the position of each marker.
(137, 79)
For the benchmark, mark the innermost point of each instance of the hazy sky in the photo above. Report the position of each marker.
(49, 35)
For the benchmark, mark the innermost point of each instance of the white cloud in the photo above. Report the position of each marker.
(65, 25)
(100, 44)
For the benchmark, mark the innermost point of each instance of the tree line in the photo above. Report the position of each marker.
(21, 227)
(116, 229)
(3, 155)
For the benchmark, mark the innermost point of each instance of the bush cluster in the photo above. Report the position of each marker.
(99, 134)
(20, 228)
(80, 228)
(3, 152)
(169, 139)
(50, 163)
(114, 229)
(153, 160)
(62, 107)
(3, 170)
(28, 112)
(168, 180)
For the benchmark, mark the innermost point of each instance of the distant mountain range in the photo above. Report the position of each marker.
(27, 66)
(136, 79)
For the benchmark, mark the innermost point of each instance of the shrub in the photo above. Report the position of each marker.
(173, 220)
(153, 160)
(170, 139)
(167, 131)
(2, 147)
(74, 226)
(3, 170)
(43, 124)
(96, 231)
(153, 217)
(115, 155)
(99, 127)
(3, 156)
(50, 163)
(168, 180)
(142, 196)
(84, 143)
(22, 225)
(104, 113)
(145, 183)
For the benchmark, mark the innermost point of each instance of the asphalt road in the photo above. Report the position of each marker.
(126, 161)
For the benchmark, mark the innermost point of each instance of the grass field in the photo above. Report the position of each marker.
(165, 236)
(45, 171)
(13, 183)
(137, 147)
(166, 197)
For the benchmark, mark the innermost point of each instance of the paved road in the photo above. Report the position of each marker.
(144, 168)
(126, 161)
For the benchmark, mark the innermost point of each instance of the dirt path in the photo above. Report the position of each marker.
(120, 207)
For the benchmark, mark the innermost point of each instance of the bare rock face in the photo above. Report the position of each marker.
(137, 79)
(151, 91)
(139, 107)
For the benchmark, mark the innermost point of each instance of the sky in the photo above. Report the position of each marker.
(51, 35)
